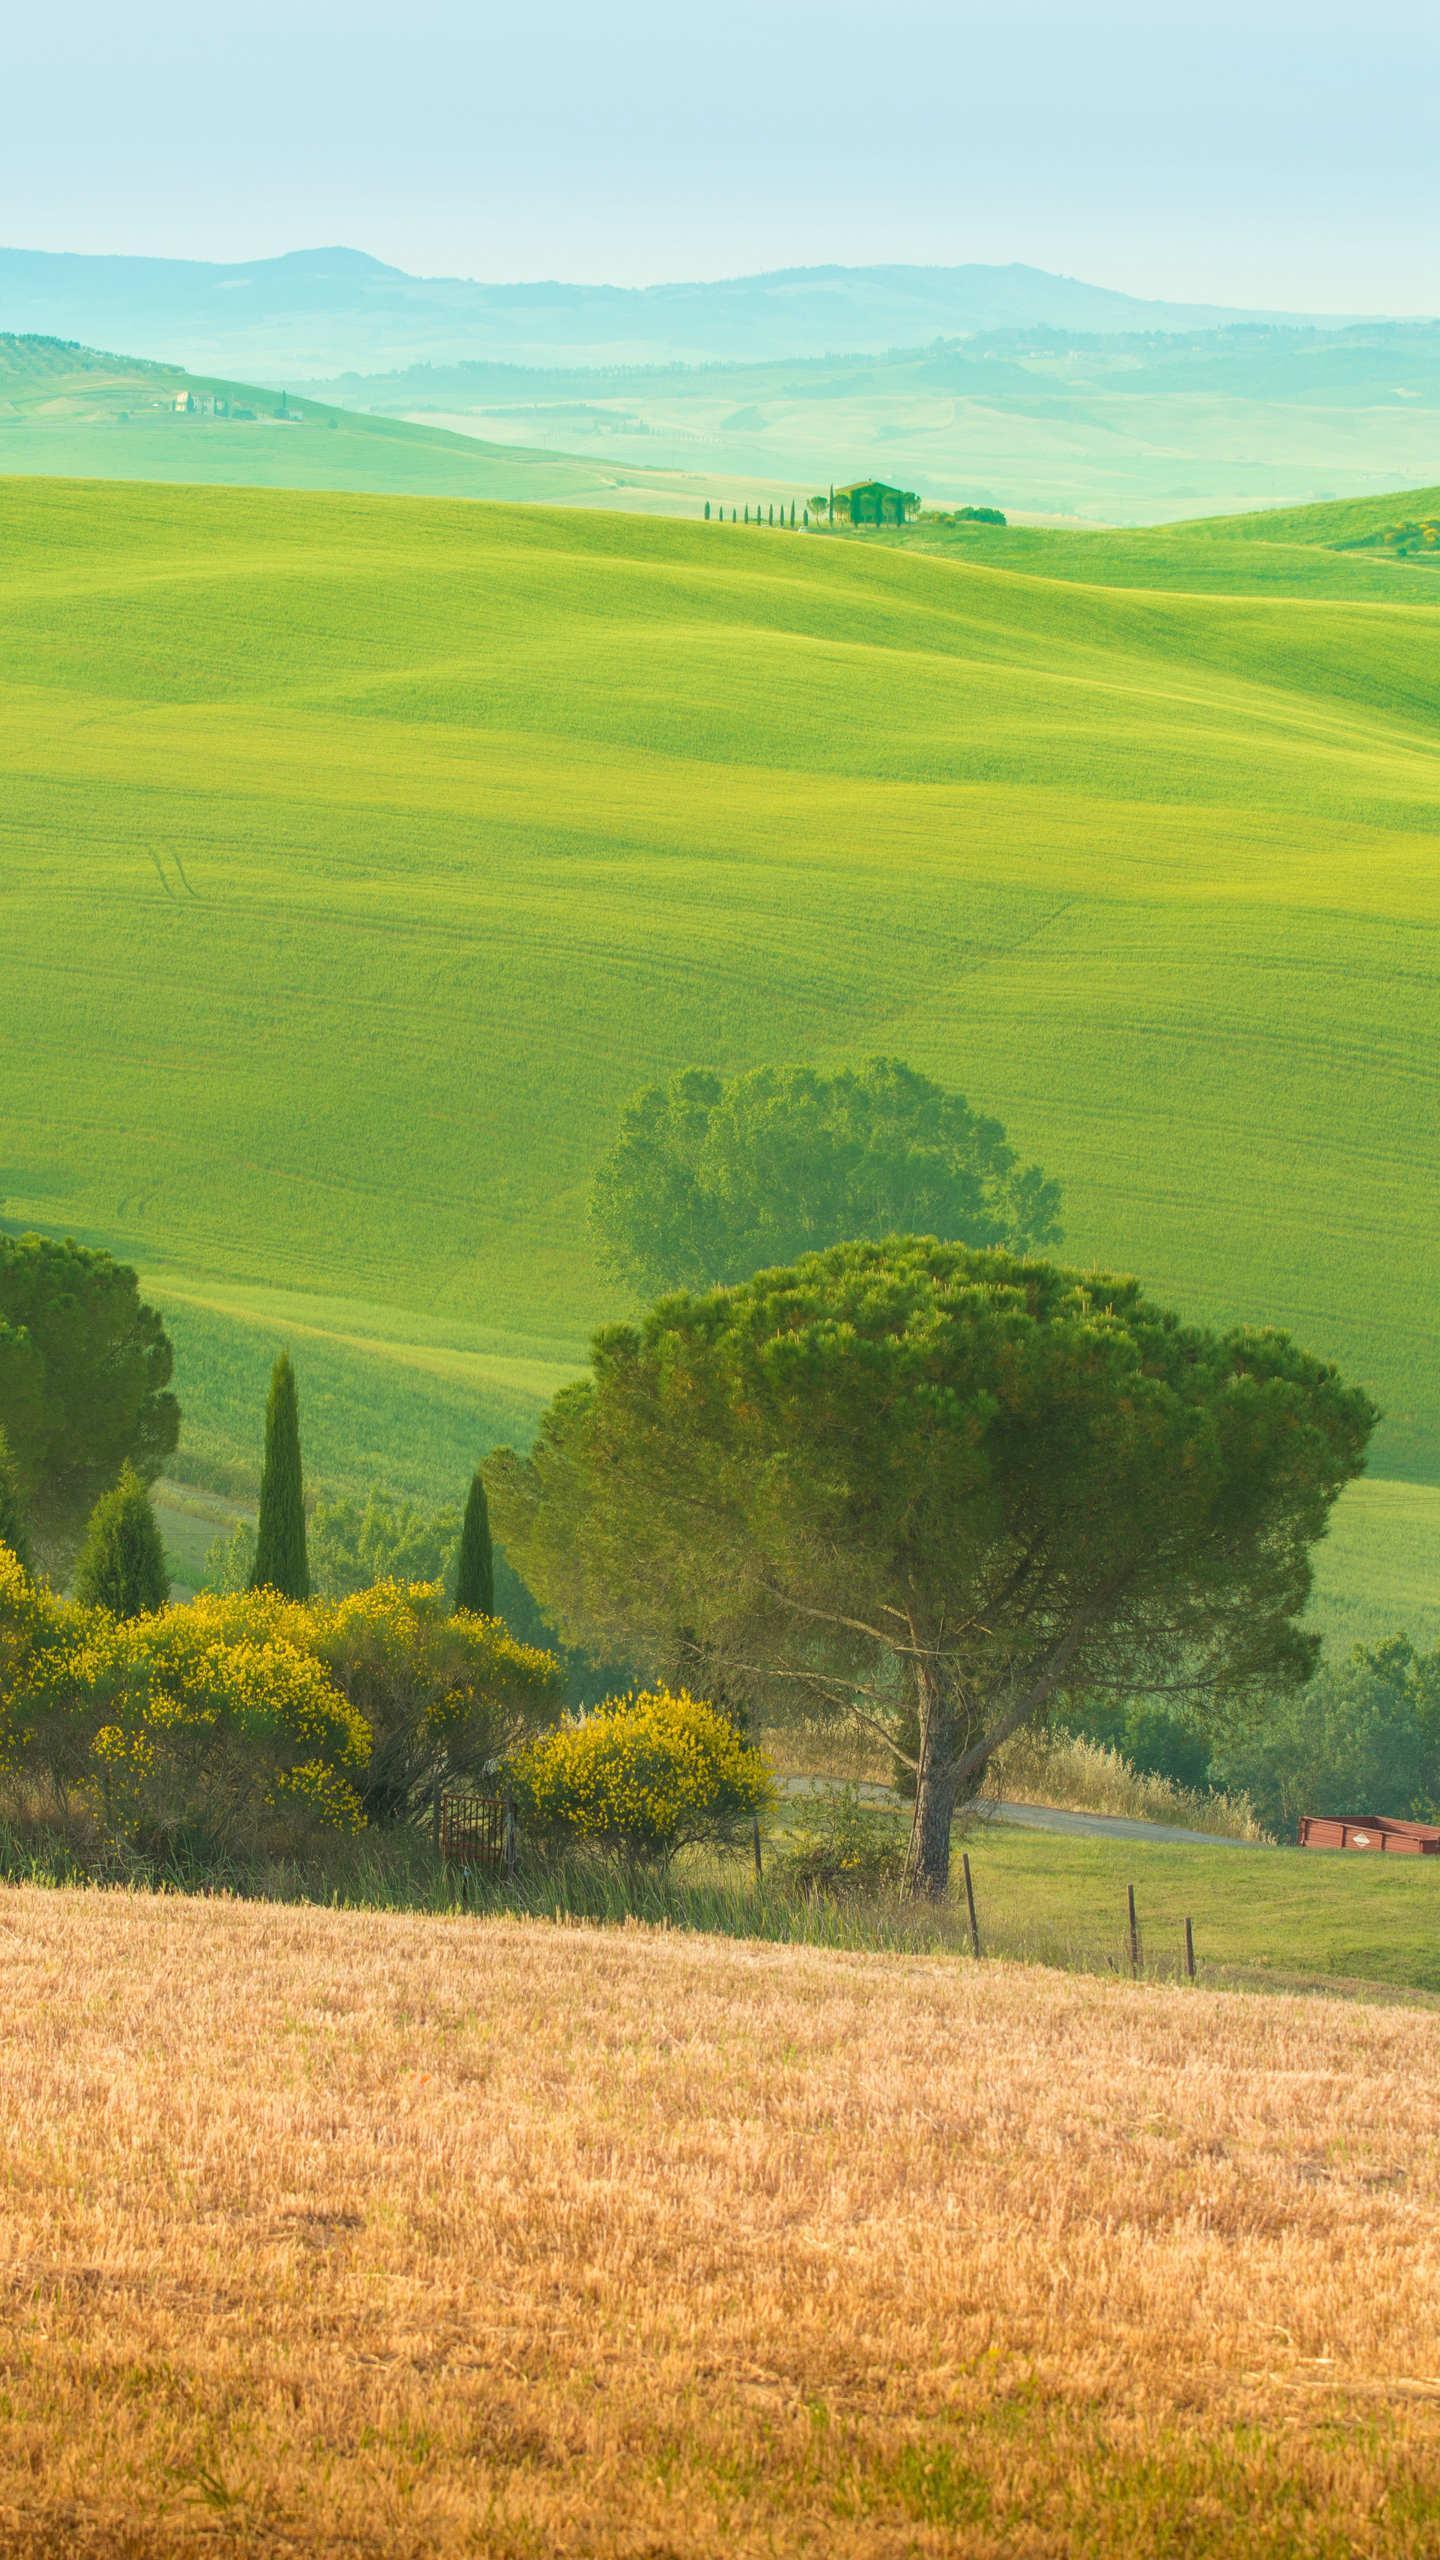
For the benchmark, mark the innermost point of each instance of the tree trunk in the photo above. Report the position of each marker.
(927, 1859)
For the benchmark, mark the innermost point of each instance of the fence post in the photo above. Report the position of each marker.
(1134, 1931)
(970, 1903)
(435, 1825)
(508, 1835)
(1189, 1949)
(755, 1846)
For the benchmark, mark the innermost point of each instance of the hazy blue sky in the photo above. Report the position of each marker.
(1273, 153)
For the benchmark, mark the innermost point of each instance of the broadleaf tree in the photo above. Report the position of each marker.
(711, 1178)
(914, 1481)
(85, 1369)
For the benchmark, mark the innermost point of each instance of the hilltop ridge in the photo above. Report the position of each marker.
(337, 306)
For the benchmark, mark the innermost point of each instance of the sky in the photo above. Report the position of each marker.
(1273, 154)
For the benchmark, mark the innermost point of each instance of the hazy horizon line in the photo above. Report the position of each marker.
(733, 275)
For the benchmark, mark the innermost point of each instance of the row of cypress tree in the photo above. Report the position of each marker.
(122, 1563)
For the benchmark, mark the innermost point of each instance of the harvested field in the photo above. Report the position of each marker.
(363, 2233)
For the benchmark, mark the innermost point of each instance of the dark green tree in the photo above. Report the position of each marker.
(1364, 1738)
(907, 1478)
(122, 1564)
(14, 1531)
(352, 1545)
(85, 1372)
(712, 1178)
(281, 1563)
(475, 1568)
(707, 510)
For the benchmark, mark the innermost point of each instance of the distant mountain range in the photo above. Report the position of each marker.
(326, 310)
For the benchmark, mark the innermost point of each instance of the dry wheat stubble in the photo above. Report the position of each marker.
(329, 2232)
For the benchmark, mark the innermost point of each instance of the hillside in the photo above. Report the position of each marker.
(1124, 428)
(78, 412)
(1347, 526)
(327, 308)
(334, 2231)
(363, 855)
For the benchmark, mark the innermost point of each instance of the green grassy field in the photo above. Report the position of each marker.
(1305, 552)
(1129, 430)
(77, 412)
(1282, 1918)
(362, 855)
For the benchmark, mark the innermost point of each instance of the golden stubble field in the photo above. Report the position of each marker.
(363, 2233)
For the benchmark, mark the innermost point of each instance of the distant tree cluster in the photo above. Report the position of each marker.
(1363, 1738)
(711, 1178)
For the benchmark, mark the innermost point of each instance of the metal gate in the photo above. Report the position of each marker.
(475, 1830)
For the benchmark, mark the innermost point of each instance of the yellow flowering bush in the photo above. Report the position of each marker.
(445, 1695)
(248, 1716)
(644, 1776)
(194, 1720)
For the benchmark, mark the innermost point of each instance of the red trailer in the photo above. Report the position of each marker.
(1370, 1831)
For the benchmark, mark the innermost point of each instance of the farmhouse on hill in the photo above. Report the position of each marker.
(874, 502)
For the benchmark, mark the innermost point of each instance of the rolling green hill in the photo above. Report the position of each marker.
(362, 855)
(77, 412)
(1120, 429)
(1350, 521)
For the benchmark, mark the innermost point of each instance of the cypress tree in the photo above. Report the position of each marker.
(13, 1531)
(281, 1563)
(707, 510)
(122, 1564)
(475, 1572)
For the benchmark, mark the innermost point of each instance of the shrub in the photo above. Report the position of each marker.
(643, 1777)
(195, 1720)
(31, 1621)
(840, 1848)
(252, 1719)
(14, 1534)
(444, 1695)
